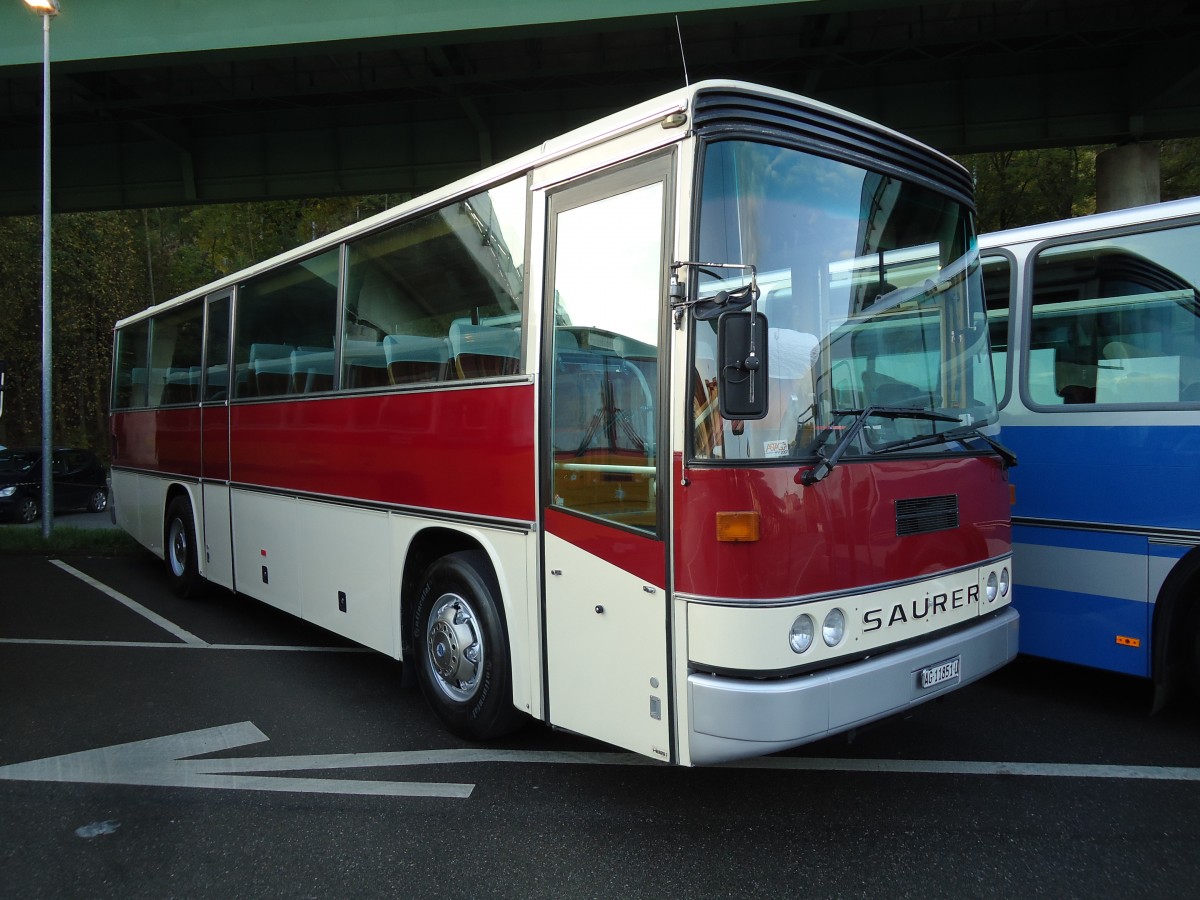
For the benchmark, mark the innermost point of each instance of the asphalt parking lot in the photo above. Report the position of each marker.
(157, 747)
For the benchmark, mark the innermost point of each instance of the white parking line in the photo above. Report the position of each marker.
(968, 767)
(165, 624)
(171, 645)
(190, 641)
(790, 763)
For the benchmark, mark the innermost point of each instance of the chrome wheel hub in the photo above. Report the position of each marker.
(178, 548)
(455, 647)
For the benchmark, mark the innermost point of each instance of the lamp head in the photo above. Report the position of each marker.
(43, 7)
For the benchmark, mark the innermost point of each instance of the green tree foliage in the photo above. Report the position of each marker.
(109, 265)
(97, 279)
(1179, 165)
(187, 248)
(1023, 187)
(20, 329)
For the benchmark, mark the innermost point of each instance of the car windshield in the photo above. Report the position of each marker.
(873, 296)
(18, 460)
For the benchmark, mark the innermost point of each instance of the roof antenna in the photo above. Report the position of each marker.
(682, 55)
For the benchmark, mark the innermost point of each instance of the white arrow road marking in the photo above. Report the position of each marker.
(164, 762)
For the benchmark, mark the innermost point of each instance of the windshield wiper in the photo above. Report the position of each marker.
(811, 476)
(957, 434)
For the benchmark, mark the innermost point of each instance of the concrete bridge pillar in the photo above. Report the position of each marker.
(1127, 176)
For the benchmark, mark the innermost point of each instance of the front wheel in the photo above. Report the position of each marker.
(461, 650)
(180, 550)
(28, 510)
(98, 500)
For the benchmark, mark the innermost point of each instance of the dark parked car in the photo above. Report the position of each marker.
(79, 482)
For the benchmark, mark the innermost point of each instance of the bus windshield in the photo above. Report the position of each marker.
(872, 291)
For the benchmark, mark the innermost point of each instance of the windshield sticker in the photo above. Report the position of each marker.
(775, 449)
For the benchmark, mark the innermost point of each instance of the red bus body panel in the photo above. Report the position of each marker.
(837, 535)
(158, 440)
(640, 554)
(380, 448)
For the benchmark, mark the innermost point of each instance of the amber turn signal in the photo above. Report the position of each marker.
(737, 527)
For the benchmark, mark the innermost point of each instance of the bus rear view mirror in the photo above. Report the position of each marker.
(742, 363)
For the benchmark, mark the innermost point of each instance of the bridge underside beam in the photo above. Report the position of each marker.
(400, 116)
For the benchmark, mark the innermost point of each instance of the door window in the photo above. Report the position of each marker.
(607, 289)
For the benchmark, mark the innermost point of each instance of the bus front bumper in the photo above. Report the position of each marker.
(735, 718)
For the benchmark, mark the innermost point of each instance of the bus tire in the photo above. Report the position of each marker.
(462, 656)
(1191, 638)
(179, 548)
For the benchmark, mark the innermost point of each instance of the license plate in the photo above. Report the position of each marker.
(939, 672)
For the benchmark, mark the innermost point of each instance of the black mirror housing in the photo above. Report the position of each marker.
(742, 365)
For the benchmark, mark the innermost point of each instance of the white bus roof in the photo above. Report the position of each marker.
(625, 121)
(1121, 218)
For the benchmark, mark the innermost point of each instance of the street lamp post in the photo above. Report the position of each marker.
(47, 9)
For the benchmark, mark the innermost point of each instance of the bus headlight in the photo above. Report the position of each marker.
(1004, 581)
(993, 586)
(833, 629)
(801, 635)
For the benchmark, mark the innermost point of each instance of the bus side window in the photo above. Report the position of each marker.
(1122, 327)
(284, 331)
(216, 361)
(132, 353)
(439, 297)
(176, 338)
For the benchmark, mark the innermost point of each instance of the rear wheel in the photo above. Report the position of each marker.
(1191, 639)
(461, 649)
(181, 549)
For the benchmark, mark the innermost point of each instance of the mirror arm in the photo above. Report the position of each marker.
(752, 360)
(677, 292)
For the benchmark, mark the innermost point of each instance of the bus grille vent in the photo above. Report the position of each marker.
(922, 515)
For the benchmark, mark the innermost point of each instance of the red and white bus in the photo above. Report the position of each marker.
(669, 432)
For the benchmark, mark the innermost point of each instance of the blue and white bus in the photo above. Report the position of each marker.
(1095, 333)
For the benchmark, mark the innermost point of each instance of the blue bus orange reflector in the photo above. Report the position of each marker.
(1128, 641)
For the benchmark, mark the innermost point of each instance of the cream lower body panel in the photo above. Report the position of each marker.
(735, 718)
(332, 563)
(139, 505)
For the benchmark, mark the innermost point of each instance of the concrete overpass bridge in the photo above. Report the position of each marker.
(196, 101)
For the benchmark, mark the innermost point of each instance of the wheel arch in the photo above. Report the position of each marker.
(1176, 615)
(177, 489)
(426, 547)
(189, 492)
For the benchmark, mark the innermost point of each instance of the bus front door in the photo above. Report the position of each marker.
(606, 611)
